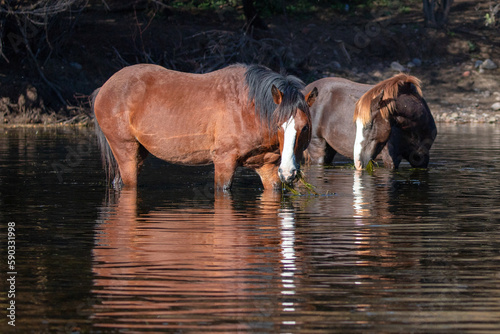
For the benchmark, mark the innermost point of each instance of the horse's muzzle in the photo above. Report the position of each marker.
(288, 177)
(363, 162)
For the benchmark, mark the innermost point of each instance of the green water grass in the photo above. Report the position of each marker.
(370, 166)
(310, 189)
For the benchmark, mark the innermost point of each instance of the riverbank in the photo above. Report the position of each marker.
(363, 45)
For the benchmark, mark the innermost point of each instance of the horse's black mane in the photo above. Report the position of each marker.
(260, 80)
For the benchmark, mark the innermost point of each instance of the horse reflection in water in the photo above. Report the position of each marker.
(193, 266)
(355, 231)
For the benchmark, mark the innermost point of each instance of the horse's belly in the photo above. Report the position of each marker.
(181, 149)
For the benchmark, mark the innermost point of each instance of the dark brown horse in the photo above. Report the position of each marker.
(237, 116)
(362, 121)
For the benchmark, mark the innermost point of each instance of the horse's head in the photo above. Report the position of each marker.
(294, 132)
(393, 114)
(371, 134)
(413, 131)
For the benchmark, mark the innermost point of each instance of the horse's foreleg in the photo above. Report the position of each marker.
(390, 162)
(269, 176)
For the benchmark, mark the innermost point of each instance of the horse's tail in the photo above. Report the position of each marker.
(108, 159)
(390, 88)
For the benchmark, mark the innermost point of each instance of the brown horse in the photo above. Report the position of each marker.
(360, 121)
(237, 116)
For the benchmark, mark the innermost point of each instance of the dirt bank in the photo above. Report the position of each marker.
(366, 45)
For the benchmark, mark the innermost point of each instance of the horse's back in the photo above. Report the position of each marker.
(337, 98)
(131, 84)
(335, 89)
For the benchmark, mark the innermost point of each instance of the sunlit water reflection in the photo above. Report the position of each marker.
(411, 251)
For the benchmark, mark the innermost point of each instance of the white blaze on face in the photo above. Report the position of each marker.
(288, 163)
(358, 144)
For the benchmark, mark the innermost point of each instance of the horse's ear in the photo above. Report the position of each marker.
(379, 98)
(377, 102)
(311, 96)
(277, 95)
(376, 105)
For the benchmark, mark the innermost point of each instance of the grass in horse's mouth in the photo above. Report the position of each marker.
(289, 188)
(370, 166)
(309, 187)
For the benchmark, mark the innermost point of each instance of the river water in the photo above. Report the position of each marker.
(411, 251)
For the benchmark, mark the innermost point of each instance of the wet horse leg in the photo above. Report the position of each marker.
(224, 172)
(390, 162)
(329, 154)
(315, 151)
(320, 152)
(269, 176)
(129, 156)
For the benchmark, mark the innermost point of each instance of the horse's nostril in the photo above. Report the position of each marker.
(289, 176)
(292, 176)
